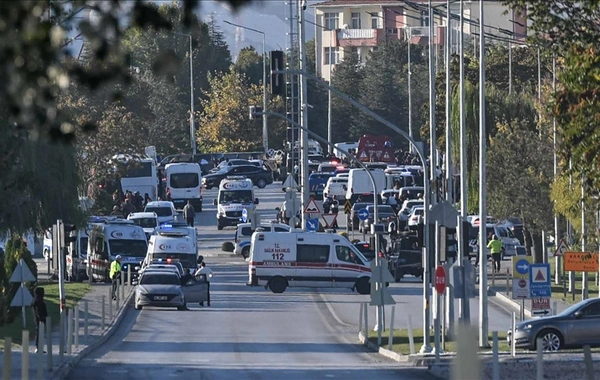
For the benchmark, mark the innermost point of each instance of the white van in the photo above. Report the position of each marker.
(307, 259)
(347, 146)
(147, 220)
(401, 177)
(336, 186)
(235, 194)
(184, 183)
(244, 231)
(359, 182)
(77, 254)
(173, 245)
(112, 238)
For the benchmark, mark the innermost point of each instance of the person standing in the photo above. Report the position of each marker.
(189, 213)
(115, 275)
(209, 273)
(495, 247)
(41, 313)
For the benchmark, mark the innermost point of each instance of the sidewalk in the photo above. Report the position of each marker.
(96, 336)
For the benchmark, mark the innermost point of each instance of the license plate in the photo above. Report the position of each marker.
(160, 298)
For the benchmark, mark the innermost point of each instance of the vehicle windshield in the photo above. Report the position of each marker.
(237, 196)
(160, 211)
(160, 279)
(145, 222)
(125, 247)
(83, 242)
(188, 260)
(359, 254)
(137, 170)
(184, 180)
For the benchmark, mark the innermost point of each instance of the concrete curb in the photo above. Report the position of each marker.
(382, 351)
(509, 302)
(63, 370)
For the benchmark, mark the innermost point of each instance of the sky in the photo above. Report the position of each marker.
(265, 15)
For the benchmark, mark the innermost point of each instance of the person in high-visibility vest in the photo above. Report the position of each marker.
(115, 275)
(495, 247)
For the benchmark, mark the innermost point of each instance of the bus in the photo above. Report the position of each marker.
(138, 174)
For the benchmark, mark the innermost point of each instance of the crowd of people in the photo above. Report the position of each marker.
(128, 203)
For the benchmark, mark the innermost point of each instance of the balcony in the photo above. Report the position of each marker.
(360, 37)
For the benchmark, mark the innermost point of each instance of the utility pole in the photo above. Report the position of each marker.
(557, 259)
(192, 126)
(464, 305)
(448, 158)
(483, 301)
(329, 128)
(410, 129)
(303, 111)
(432, 132)
(584, 277)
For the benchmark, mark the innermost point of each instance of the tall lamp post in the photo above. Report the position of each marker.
(192, 127)
(265, 131)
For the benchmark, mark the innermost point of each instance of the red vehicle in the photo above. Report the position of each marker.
(375, 149)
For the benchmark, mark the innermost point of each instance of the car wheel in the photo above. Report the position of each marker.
(362, 286)
(261, 183)
(552, 340)
(138, 307)
(181, 308)
(398, 274)
(278, 285)
(246, 252)
(219, 227)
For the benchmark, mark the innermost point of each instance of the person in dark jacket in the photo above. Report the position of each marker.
(41, 313)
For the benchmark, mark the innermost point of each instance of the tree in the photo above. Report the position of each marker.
(346, 119)
(224, 123)
(250, 64)
(519, 177)
(569, 29)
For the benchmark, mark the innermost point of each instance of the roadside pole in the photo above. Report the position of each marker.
(61, 286)
(304, 186)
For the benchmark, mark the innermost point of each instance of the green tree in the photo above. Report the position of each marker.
(346, 119)
(225, 125)
(519, 176)
(15, 250)
(250, 64)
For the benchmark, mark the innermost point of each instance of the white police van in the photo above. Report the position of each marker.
(236, 193)
(307, 259)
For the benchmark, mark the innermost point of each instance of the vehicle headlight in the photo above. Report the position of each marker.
(526, 327)
(137, 268)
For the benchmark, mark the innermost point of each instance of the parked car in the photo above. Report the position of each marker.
(259, 176)
(416, 217)
(385, 213)
(575, 327)
(232, 162)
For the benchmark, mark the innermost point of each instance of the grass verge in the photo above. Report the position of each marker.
(74, 292)
(402, 346)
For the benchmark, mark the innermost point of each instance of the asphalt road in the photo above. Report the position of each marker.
(247, 333)
(251, 333)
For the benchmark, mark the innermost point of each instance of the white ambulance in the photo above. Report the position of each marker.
(236, 193)
(306, 259)
(173, 245)
(116, 237)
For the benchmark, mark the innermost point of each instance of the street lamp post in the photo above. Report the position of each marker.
(192, 126)
(265, 130)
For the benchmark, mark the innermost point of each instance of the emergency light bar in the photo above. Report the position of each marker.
(172, 233)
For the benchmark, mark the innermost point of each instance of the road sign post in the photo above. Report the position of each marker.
(520, 281)
(244, 215)
(347, 207)
(23, 298)
(329, 220)
(312, 225)
(539, 280)
(540, 307)
(363, 214)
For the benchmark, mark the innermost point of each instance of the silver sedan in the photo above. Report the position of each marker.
(162, 289)
(577, 326)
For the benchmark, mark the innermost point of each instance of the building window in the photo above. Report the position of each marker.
(375, 21)
(425, 18)
(332, 21)
(331, 55)
(355, 51)
(392, 31)
(356, 20)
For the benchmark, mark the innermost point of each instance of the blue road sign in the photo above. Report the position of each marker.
(244, 215)
(312, 224)
(363, 214)
(539, 280)
(522, 266)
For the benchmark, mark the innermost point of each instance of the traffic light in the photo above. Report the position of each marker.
(277, 80)
(67, 229)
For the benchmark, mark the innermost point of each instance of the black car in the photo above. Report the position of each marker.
(259, 176)
(355, 207)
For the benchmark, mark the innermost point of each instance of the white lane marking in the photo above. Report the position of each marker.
(333, 313)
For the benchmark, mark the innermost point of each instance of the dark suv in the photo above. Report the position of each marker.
(259, 176)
